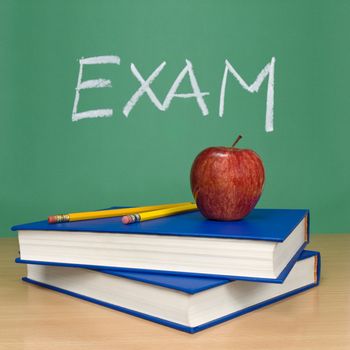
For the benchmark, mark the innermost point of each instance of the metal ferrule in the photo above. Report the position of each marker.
(135, 218)
(62, 218)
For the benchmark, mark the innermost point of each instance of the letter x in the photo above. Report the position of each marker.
(144, 88)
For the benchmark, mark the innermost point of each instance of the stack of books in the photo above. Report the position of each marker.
(182, 271)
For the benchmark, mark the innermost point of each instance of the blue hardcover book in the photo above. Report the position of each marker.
(189, 304)
(262, 247)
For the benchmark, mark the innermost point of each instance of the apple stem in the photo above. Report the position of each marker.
(238, 138)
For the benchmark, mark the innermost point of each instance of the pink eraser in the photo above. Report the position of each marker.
(126, 219)
(51, 219)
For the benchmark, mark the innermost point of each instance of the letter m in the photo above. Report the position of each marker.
(268, 70)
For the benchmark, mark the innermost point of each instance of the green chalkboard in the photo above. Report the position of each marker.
(52, 164)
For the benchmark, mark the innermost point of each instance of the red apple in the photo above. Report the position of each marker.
(227, 182)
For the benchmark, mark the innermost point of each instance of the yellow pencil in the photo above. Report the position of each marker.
(155, 214)
(108, 213)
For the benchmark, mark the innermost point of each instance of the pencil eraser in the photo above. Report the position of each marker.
(126, 219)
(51, 219)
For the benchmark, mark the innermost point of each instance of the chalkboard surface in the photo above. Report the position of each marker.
(91, 116)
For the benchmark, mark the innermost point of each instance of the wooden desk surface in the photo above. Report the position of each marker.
(35, 318)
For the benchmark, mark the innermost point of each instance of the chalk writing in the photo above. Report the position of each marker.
(196, 93)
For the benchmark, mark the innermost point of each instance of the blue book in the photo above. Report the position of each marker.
(262, 247)
(186, 303)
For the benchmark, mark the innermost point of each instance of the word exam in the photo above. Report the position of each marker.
(145, 88)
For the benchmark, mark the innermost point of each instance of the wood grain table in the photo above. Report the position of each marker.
(36, 318)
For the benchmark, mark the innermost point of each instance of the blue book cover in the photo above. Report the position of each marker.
(261, 224)
(273, 225)
(190, 285)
